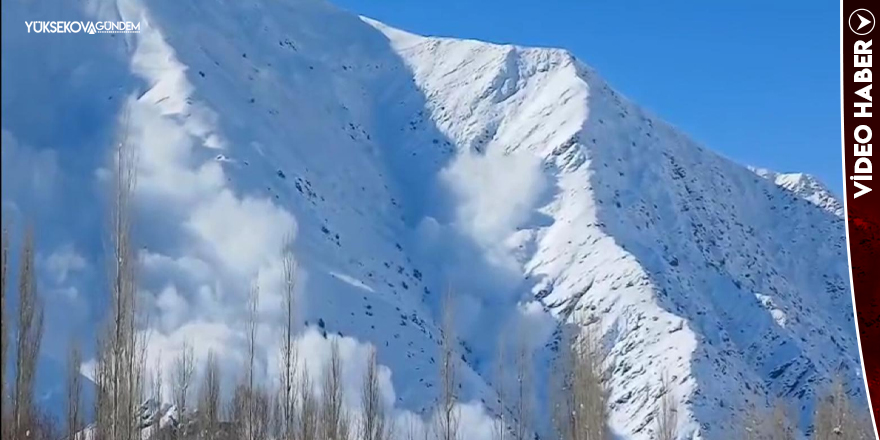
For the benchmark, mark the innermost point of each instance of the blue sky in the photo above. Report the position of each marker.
(757, 81)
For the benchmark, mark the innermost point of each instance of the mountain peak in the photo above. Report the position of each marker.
(806, 187)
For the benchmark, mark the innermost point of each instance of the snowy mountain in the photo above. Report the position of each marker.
(402, 166)
(806, 187)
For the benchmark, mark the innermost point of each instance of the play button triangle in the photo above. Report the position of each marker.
(862, 21)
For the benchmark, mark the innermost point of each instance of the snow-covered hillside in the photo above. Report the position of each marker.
(402, 166)
(806, 187)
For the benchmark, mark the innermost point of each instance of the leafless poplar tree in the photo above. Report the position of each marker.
(561, 393)
(276, 410)
(249, 416)
(782, 425)
(667, 412)
(375, 423)
(4, 337)
(157, 397)
(182, 377)
(307, 416)
(515, 393)
(237, 412)
(289, 354)
(580, 400)
(250, 412)
(29, 334)
(499, 424)
(411, 430)
(837, 418)
(417, 429)
(74, 392)
(209, 399)
(121, 370)
(754, 423)
(262, 413)
(333, 418)
(253, 305)
(245, 403)
(101, 374)
(523, 397)
(45, 426)
(446, 422)
(865, 427)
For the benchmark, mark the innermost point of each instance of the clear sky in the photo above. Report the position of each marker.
(757, 81)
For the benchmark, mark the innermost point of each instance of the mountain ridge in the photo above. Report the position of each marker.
(806, 186)
(674, 172)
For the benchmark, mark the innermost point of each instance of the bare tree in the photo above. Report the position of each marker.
(499, 424)
(523, 397)
(253, 305)
(276, 409)
(768, 423)
(29, 334)
(4, 336)
(121, 362)
(262, 413)
(209, 399)
(561, 392)
(333, 418)
(248, 418)
(307, 421)
(782, 426)
(250, 412)
(244, 408)
(865, 427)
(182, 376)
(102, 381)
(446, 422)
(289, 354)
(417, 429)
(412, 433)
(74, 392)
(667, 411)
(45, 427)
(238, 412)
(836, 418)
(579, 398)
(375, 423)
(156, 397)
(515, 393)
(752, 424)
(831, 414)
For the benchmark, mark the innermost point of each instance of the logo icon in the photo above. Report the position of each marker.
(861, 22)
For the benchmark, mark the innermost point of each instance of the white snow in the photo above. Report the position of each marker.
(805, 186)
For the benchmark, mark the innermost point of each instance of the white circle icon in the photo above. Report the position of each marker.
(861, 22)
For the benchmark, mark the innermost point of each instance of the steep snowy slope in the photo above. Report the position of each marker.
(400, 167)
(683, 256)
(805, 186)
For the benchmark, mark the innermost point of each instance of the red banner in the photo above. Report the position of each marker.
(862, 192)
